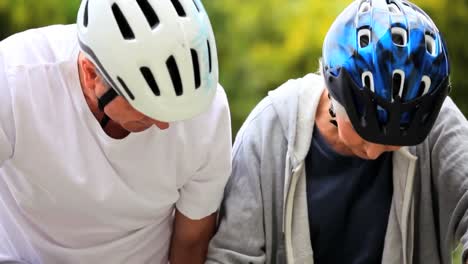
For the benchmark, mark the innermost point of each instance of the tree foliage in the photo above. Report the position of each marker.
(263, 43)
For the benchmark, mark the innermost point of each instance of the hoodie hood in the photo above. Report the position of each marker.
(296, 103)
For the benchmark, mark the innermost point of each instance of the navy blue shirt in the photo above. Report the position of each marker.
(348, 201)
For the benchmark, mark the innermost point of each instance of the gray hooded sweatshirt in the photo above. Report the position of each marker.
(264, 216)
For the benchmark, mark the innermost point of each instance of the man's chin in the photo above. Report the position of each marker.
(364, 156)
(138, 130)
(136, 127)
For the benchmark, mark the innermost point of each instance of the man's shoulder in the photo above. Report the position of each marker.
(210, 126)
(39, 46)
(220, 100)
(219, 110)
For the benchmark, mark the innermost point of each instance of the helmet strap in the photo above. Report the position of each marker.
(104, 121)
(103, 101)
(332, 113)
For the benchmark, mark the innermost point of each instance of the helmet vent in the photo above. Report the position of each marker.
(179, 8)
(398, 84)
(122, 22)
(382, 115)
(424, 86)
(196, 68)
(175, 75)
(430, 44)
(149, 13)
(365, 7)
(209, 56)
(129, 93)
(393, 8)
(196, 5)
(149, 77)
(399, 36)
(364, 36)
(368, 81)
(85, 15)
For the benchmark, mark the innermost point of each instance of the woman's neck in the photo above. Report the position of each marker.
(326, 128)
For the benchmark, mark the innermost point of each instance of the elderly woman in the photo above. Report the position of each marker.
(364, 163)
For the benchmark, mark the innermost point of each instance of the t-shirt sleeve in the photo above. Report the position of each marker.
(6, 115)
(201, 196)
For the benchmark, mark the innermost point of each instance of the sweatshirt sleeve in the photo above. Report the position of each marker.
(449, 163)
(240, 237)
(248, 219)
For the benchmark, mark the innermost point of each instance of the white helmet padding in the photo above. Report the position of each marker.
(159, 54)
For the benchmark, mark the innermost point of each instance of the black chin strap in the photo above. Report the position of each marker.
(332, 113)
(108, 97)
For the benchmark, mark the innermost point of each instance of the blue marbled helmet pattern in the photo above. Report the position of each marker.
(382, 57)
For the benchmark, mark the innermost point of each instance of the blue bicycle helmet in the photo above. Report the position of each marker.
(386, 63)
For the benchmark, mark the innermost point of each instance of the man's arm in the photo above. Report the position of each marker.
(201, 195)
(190, 239)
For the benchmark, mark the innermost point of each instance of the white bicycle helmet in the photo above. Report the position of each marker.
(158, 54)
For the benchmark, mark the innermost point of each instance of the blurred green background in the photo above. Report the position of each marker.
(263, 43)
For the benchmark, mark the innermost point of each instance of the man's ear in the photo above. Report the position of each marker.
(88, 72)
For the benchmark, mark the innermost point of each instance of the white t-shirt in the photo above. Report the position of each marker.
(71, 194)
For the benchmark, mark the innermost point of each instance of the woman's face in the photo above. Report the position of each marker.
(356, 144)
